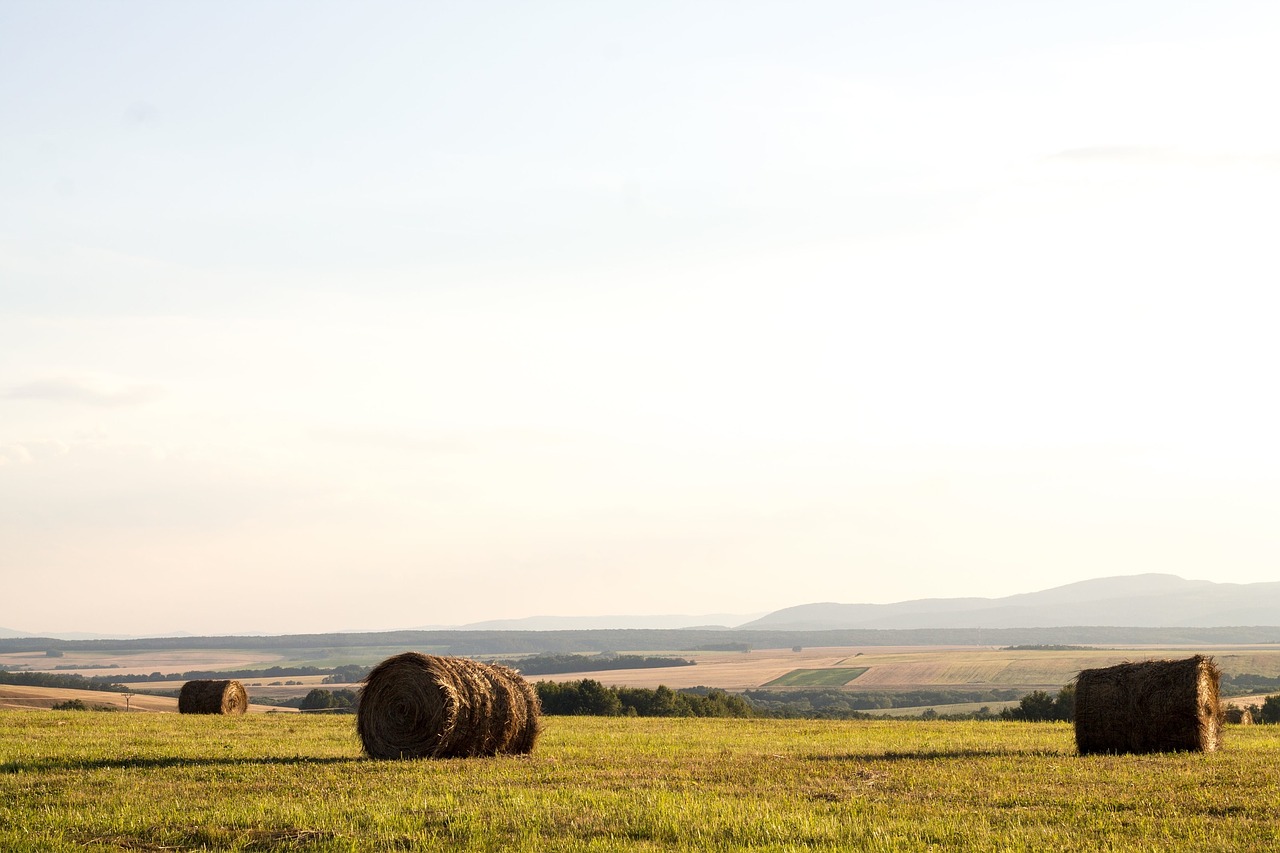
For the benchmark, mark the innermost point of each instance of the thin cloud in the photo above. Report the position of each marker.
(391, 439)
(1119, 154)
(1138, 155)
(85, 393)
(25, 452)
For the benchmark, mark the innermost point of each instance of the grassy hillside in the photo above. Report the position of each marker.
(96, 781)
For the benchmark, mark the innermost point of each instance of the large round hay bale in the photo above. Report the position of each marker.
(1149, 706)
(213, 697)
(423, 706)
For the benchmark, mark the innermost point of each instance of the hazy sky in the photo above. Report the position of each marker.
(320, 316)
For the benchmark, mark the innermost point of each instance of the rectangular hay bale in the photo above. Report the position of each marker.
(1149, 706)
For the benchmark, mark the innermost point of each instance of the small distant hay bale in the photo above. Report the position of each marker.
(213, 697)
(1149, 706)
(423, 706)
(1239, 716)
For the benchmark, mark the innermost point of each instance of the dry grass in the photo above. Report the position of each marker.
(78, 782)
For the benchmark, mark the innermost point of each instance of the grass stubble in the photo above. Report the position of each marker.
(94, 781)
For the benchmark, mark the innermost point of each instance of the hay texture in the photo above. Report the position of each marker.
(422, 706)
(213, 697)
(1150, 706)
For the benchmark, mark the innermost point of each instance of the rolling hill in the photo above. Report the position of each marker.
(1147, 600)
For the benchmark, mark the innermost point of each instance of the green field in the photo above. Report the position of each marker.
(96, 781)
(834, 676)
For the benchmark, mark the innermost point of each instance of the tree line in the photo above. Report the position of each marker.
(836, 704)
(552, 664)
(591, 698)
(1039, 706)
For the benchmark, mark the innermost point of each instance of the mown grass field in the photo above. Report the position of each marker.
(96, 781)
(836, 676)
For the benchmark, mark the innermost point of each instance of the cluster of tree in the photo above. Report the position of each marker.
(1246, 683)
(1039, 706)
(195, 674)
(79, 705)
(591, 698)
(1048, 647)
(60, 680)
(347, 674)
(551, 664)
(325, 700)
(833, 703)
(1267, 712)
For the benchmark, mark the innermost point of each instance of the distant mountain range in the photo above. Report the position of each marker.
(1130, 601)
(1133, 601)
(1137, 601)
(7, 633)
(710, 621)
(610, 623)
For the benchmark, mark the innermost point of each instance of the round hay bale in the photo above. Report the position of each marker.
(522, 696)
(423, 706)
(213, 697)
(1149, 706)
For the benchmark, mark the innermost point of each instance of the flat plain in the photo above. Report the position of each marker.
(883, 668)
(96, 781)
(917, 667)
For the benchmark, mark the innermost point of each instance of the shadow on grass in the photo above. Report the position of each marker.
(940, 755)
(46, 764)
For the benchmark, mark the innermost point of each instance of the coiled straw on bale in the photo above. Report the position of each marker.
(422, 706)
(213, 697)
(1150, 706)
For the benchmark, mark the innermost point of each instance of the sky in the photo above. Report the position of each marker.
(323, 316)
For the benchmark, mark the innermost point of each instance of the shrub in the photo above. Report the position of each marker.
(71, 705)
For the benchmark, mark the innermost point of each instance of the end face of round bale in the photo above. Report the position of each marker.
(213, 697)
(1149, 706)
(423, 706)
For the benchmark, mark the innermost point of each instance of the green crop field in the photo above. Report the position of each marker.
(143, 782)
(835, 676)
